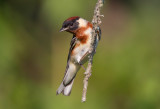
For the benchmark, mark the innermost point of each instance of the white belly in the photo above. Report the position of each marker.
(80, 51)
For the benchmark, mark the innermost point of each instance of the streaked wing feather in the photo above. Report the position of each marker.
(72, 45)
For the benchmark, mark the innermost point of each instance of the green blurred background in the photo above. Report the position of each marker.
(33, 55)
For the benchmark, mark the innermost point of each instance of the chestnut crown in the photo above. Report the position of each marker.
(70, 25)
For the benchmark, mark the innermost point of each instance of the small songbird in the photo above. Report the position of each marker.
(79, 50)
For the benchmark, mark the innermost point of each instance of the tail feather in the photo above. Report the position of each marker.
(66, 85)
(60, 89)
(65, 90)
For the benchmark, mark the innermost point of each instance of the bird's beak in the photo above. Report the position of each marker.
(63, 29)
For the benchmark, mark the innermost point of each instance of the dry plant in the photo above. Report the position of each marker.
(96, 21)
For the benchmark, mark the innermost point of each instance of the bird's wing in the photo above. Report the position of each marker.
(72, 45)
(70, 72)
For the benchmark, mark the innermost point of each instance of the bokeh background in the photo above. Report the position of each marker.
(33, 55)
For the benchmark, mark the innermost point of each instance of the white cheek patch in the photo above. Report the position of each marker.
(82, 22)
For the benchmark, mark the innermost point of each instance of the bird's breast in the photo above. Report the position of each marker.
(82, 45)
(80, 50)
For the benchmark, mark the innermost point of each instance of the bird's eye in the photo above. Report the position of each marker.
(71, 24)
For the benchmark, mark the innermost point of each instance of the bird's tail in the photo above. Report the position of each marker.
(66, 85)
(66, 90)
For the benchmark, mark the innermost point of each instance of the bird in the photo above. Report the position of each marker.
(78, 52)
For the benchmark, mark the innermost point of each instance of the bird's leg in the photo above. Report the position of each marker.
(82, 66)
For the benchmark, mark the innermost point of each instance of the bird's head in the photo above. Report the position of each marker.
(72, 24)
